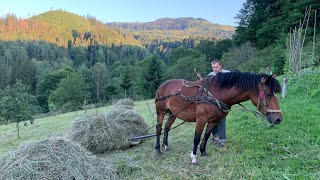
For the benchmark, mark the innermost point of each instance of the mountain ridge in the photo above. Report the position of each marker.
(175, 29)
(68, 29)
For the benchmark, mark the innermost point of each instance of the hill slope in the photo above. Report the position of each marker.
(59, 27)
(175, 29)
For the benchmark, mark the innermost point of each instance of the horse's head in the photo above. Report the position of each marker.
(266, 101)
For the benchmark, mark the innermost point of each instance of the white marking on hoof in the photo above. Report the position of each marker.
(193, 158)
(166, 148)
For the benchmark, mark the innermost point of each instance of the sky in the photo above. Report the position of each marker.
(215, 11)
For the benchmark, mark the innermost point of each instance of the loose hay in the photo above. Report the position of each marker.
(128, 103)
(54, 158)
(133, 123)
(109, 131)
(98, 134)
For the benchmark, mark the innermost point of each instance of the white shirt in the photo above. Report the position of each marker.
(222, 71)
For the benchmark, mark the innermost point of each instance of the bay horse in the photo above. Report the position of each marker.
(208, 100)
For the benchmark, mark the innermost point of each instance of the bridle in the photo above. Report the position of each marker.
(262, 98)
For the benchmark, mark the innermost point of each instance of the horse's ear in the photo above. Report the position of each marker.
(274, 76)
(266, 80)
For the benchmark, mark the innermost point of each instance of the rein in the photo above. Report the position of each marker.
(152, 135)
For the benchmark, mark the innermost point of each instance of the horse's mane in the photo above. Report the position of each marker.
(245, 81)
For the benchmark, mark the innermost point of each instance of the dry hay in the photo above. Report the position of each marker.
(133, 123)
(98, 134)
(54, 158)
(127, 102)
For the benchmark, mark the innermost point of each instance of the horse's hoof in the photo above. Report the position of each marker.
(158, 153)
(195, 164)
(203, 154)
(166, 148)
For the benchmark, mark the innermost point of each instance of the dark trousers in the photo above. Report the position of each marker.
(220, 131)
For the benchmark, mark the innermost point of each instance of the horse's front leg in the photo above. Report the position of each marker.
(206, 136)
(169, 122)
(200, 123)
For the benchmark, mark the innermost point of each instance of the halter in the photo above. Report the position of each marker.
(262, 98)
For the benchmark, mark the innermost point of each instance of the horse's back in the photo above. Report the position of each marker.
(169, 86)
(172, 86)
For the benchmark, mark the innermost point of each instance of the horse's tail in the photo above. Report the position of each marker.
(157, 95)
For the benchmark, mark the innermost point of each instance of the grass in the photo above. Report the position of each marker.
(290, 150)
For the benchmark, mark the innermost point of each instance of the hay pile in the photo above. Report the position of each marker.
(98, 134)
(132, 122)
(54, 158)
(102, 132)
(126, 102)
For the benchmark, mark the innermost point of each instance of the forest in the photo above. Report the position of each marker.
(40, 76)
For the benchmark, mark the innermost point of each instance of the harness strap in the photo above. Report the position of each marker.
(274, 110)
(165, 97)
(208, 98)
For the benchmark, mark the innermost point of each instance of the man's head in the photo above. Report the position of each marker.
(216, 66)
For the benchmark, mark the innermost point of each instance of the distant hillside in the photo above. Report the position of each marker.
(59, 27)
(175, 29)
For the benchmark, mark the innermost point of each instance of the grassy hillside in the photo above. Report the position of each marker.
(175, 29)
(57, 26)
(290, 150)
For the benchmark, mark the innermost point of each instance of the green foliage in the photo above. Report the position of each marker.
(126, 82)
(111, 90)
(184, 68)
(5, 73)
(278, 60)
(70, 93)
(17, 104)
(99, 76)
(243, 58)
(48, 84)
(152, 76)
(26, 72)
(264, 22)
(308, 84)
(78, 55)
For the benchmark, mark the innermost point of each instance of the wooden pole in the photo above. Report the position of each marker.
(314, 33)
(284, 87)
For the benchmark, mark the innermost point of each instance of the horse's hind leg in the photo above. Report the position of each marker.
(169, 122)
(160, 116)
(206, 136)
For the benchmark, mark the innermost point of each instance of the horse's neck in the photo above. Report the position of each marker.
(234, 96)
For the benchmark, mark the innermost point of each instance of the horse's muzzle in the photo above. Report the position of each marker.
(274, 120)
(277, 121)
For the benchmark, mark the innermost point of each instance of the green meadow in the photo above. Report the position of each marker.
(254, 150)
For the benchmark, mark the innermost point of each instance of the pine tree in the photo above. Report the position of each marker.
(153, 76)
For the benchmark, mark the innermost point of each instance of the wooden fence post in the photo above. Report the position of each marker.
(284, 87)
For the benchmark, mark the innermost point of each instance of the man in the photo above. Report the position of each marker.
(219, 131)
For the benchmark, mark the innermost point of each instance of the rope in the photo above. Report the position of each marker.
(144, 132)
(256, 113)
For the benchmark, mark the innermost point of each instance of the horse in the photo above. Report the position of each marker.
(208, 100)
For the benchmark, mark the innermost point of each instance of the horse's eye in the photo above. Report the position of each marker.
(269, 95)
